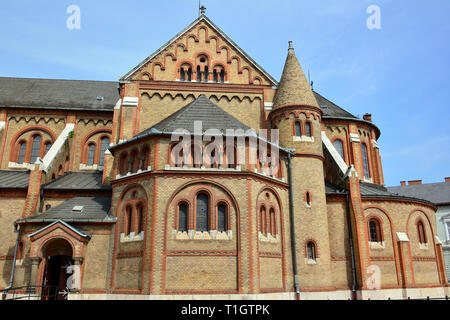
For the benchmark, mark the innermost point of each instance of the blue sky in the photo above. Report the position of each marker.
(400, 73)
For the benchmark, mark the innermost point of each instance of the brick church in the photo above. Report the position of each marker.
(96, 204)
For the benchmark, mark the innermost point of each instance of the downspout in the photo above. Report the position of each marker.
(292, 220)
(352, 250)
(13, 268)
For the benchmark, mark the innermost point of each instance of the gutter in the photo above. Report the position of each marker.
(13, 268)
(292, 221)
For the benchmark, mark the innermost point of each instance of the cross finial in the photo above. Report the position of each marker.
(202, 9)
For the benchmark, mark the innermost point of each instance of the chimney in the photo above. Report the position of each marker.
(403, 183)
(447, 179)
(367, 117)
(414, 182)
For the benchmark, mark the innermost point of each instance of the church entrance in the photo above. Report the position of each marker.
(58, 270)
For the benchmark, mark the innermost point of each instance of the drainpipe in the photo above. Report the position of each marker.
(293, 243)
(352, 250)
(11, 281)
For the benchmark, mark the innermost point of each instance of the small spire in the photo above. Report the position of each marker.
(202, 9)
(291, 47)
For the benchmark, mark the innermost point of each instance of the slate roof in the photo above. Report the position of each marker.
(77, 181)
(95, 209)
(14, 179)
(331, 109)
(370, 190)
(58, 94)
(201, 109)
(438, 193)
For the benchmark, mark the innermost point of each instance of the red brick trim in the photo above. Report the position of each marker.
(214, 253)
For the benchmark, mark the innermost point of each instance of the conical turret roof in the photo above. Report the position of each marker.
(293, 88)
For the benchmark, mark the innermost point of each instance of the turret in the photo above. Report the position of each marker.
(297, 115)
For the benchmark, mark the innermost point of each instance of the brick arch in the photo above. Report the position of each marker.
(393, 236)
(202, 188)
(425, 221)
(123, 203)
(84, 143)
(43, 245)
(16, 139)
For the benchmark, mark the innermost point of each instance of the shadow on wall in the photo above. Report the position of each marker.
(6, 272)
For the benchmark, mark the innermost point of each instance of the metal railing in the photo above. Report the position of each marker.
(30, 293)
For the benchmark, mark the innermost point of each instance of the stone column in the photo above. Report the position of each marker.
(33, 272)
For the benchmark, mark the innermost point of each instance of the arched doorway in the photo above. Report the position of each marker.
(58, 268)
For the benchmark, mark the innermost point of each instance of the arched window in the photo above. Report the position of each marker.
(134, 158)
(103, 147)
(222, 217)
(183, 217)
(375, 231)
(311, 250)
(144, 158)
(60, 170)
(273, 226)
(206, 74)
(129, 213)
(199, 74)
(222, 76)
(123, 164)
(215, 76)
(298, 129)
(231, 157)
(36, 147)
(421, 232)
(308, 199)
(202, 215)
(365, 160)
(140, 218)
(339, 146)
(308, 129)
(181, 74)
(262, 220)
(22, 150)
(91, 154)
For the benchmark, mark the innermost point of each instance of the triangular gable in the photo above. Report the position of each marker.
(65, 227)
(169, 53)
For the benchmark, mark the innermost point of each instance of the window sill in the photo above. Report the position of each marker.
(423, 246)
(130, 174)
(268, 238)
(205, 235)
(92, 167)
(15, 165)
(377, 245)
(368, 180)
(132, 237)
(311, 261)
(303, 139)
(262, 173)
(202, 168)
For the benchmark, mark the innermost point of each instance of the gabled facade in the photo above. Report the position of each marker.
(89, 177)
